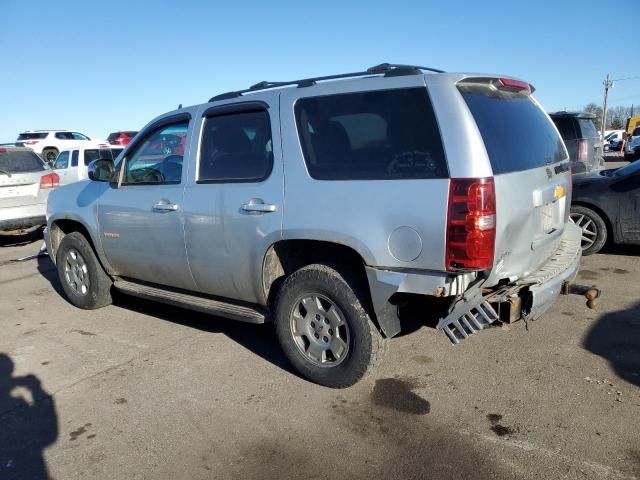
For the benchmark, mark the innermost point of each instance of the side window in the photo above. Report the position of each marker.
(158, 158)
(64, 136)
(378, 135)
(79, 136)
(62, 161)
(74, 158)
(236, 147)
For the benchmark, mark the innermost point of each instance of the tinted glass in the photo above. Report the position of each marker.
(236, 147)
(62, 161)
(636, 132)
(566, 127)
(74, 158)
(32, 136)
(19, 161)
(381, 135)
(95, 154)
(158, 158)
(79, 136)
(516, 132)
(588, 129)
(112, 137)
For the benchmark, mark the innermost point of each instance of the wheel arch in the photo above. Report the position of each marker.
(58, 229)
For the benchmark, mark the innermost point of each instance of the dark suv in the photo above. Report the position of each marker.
(581, 139)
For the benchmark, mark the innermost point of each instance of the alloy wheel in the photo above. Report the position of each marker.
(76, 272)
(588, 227)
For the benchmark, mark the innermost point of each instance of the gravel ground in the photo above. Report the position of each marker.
(139, 390)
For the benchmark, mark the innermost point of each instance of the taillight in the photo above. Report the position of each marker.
(471, 224)
(31, 142)
(512, 84)
(582, 150)
(50, 180)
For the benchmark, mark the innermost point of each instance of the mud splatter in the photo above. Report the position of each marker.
(81, 332)
(620, 271)
(78, 432)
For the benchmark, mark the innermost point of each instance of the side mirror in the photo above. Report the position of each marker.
(101, 170)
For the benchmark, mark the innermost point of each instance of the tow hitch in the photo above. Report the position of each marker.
(591, 293)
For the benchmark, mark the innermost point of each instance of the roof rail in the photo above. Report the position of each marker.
(386, 69)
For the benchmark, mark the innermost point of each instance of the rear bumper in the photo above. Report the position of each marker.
(15, 218)
(546, 284)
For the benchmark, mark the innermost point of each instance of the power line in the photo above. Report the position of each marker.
(626, 78)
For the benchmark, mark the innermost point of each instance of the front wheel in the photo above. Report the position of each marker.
(83, 279)
(594, 230)
(323, 326)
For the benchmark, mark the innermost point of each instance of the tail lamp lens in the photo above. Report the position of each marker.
(49, 181)
(471, 224)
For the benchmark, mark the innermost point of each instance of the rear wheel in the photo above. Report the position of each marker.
(594, 230)
(83, 279)
(50, 154)
(323, 327)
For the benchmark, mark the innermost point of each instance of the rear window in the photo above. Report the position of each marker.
(32, 136)
(566, 127)
(636, 132)
(516, 132)
(380, 135)
(20, 161)
(112, 136)
(587, 128)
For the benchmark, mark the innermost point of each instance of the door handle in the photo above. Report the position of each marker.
(257, 205)
(163, 206)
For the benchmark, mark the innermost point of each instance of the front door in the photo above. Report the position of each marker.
(233, 206)
(141, 221)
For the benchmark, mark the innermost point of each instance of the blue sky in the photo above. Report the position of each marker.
(98, 67)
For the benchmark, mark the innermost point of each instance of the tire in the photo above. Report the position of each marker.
(594, 230)
(83, 279)
(353, 343)
(50, 154)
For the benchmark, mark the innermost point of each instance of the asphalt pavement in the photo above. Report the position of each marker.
(144, 391)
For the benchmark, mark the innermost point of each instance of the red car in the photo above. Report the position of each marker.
(121, 138)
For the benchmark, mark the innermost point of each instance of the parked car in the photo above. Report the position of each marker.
(25, 183)
(71, 165)
(614, 139)
(581, 139)
(332, 209)
(632, 146)
(606, 206)
(48, 143)
(121, 138)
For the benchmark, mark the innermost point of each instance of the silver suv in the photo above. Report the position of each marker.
(331, 206)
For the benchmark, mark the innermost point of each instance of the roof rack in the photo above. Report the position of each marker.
(386, 69)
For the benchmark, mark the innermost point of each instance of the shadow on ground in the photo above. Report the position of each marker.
(259, 339)
(616, 337)
(28, 424)
(20, 240)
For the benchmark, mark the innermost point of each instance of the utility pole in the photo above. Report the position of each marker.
(608, 83)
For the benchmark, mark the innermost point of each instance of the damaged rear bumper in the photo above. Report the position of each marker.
(534, 293)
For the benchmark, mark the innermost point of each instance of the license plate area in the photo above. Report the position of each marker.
(13, 191)
(550, 217)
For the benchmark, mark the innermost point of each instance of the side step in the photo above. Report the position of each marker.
(460, 324)
(192, 302)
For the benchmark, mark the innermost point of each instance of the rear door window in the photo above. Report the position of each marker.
(19, 161)
(379, 135)
(517, 134)
(74, 158)
(32, 136)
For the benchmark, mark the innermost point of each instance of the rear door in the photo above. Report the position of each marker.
(530, 168)
(20, 172)
(234, 201)
(588, 132)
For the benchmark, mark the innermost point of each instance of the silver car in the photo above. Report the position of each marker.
(332, 206)
(25, 183)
